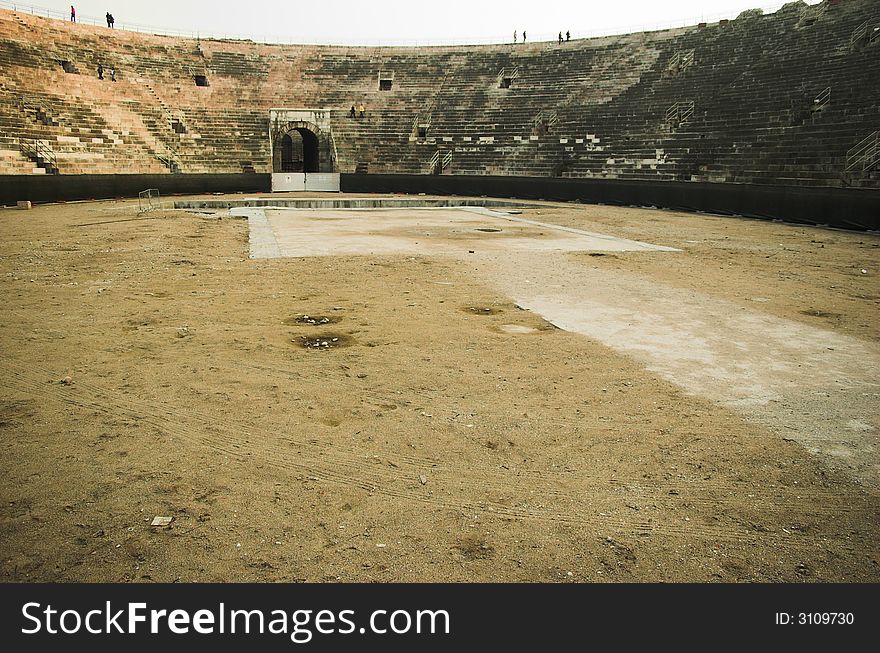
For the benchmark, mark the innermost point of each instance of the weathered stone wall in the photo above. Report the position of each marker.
(732, 102)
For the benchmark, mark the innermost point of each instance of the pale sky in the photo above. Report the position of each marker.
(404, 22)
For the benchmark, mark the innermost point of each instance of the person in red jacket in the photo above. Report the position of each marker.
(72, 14)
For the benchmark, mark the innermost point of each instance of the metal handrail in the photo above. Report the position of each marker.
(170, 161)
(547, 117)
(680, 111)
(865, 154)
(858, 34)
(434, 163)
(513, 74)
(680, 61)
(823, 99)
(441, 160)
(32, 147)
(687, 59)
(688, 110)
(335, 153)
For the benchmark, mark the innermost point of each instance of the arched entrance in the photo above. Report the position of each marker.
(299, 151)
(303, 151)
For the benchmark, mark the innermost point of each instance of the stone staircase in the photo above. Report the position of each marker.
(40, 154)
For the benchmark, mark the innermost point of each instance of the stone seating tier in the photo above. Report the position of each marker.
(593, 108)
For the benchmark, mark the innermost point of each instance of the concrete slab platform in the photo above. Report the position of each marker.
(430, 231)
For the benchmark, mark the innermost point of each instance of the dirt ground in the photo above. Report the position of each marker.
(150, 368)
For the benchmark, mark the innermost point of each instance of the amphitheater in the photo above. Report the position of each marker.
(594, 311)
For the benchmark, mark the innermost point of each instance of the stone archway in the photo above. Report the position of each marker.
(301, 146)
(302, 150)
(299, 152)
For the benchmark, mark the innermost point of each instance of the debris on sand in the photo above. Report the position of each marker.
(311, 320)
(323, 342)
(161, 522)
(308, 319)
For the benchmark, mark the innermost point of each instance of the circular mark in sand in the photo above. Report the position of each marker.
(517, 329)
(324, 341)
(481, 310)
(311, 320)
(489, 230)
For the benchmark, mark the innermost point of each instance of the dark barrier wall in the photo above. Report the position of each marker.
(846, 208)
(64, 188)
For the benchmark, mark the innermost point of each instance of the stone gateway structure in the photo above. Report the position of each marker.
(303, 151)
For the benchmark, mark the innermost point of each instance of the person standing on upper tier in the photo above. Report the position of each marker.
(72, 14)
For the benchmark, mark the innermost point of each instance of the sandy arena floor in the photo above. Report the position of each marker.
(529, 404)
